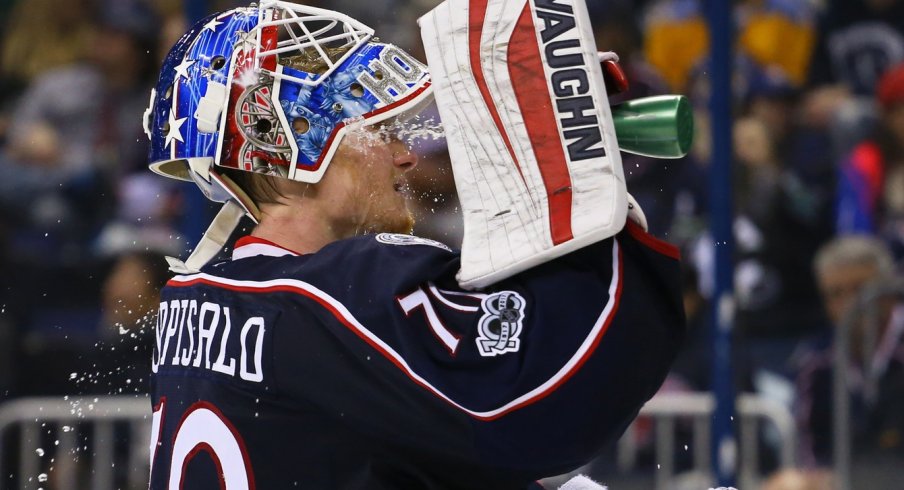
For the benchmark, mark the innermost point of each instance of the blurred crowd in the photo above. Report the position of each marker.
(818, 192)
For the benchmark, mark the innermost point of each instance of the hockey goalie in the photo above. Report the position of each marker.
(336, 350)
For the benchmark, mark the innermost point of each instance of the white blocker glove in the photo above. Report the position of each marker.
(526, 115)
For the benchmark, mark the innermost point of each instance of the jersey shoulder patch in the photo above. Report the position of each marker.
(500, 326)
(406, 240)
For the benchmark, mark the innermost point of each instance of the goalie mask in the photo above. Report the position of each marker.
(270, 89)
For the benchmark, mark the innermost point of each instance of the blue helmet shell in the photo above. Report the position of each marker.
(222, 101)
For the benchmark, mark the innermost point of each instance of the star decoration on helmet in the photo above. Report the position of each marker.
(182, 68)
(246, 38)
(175, 129)
(209, 73)
(212, 25)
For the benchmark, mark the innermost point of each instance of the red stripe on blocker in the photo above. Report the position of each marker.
(529, 83)
(477, 11)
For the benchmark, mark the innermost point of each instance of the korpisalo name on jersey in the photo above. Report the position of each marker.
(202, 336)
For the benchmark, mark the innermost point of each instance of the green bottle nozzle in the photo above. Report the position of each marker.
(660, 127)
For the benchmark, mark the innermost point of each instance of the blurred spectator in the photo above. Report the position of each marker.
(777, 228)
(64, 147)
(173, 25)
(44, 34)
(794, 479)
(676, 40)
(768, 95)
(130, 298)
(110, 356)
(870, 196)
(655, 184)
(77, 132)
(858, 41)
(775, 43)
(616, 28)
(776, 35)
(76, 129)
(846, 268)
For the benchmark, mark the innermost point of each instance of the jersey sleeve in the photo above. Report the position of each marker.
(576, 344)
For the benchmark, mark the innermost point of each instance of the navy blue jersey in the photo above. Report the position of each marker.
(364, 366)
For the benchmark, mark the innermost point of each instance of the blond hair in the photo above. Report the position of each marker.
(854, 250)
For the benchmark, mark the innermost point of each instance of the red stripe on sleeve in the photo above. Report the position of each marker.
(651, 242)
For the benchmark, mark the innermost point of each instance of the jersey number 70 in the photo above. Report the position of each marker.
(204, 428)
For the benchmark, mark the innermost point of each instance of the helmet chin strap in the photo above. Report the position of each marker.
(222, 226)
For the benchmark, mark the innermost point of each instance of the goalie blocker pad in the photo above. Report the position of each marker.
(520, 91)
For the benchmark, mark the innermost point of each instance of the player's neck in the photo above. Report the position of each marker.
(299, 228)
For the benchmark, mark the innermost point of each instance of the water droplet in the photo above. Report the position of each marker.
(39, 452)
(67, 428)
(42, 477)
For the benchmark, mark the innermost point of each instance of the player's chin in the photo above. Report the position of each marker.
(400, 221)
(404, 224)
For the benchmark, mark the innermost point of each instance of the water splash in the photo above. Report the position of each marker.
(413, 131)
(418, 128)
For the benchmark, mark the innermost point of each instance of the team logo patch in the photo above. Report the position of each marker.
(399, 239)
(500, 325)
